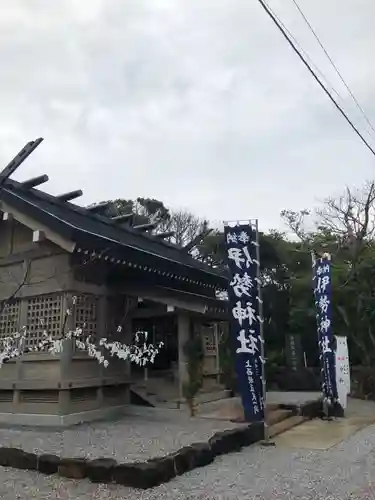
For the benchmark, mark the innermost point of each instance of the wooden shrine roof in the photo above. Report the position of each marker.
(106, 238)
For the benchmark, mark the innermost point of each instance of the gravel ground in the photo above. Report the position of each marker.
(126, 440)
(344, 472)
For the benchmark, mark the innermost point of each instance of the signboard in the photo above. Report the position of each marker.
(293, 351)
(323, 302)
(342, 370)
(244, 305)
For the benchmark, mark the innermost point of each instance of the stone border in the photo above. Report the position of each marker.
(142, 475)
(311, 409)
(314, 409)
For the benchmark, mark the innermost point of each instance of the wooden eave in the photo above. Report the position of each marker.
(103, 239)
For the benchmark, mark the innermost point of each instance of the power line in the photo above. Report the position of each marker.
(333, 64)
(313, 65)
(311, 71)
(307, 57)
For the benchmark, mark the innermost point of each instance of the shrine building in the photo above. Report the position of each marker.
(52, 250)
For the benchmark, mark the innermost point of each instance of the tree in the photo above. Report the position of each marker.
(275, 288)
(345, 227)
(351, 217)
(186, 226)
(145, 210)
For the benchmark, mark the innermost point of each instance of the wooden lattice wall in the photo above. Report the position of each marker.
(46, 313)
(9, 319)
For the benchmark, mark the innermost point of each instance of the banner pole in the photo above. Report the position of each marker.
(246, 319)
(321, 361)
(322, 273)
(261, 332)
(313, 264)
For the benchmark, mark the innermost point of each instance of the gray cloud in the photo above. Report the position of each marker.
(198, 103)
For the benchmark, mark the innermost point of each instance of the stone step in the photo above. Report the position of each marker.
(272, 407)
(204, 398)
(285, 425)
(209, 397)
(276, 416)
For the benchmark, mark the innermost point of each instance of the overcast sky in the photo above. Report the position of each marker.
(199, 103)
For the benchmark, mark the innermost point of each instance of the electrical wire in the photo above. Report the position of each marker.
(307, 57)
(333, 64)
(313, 74)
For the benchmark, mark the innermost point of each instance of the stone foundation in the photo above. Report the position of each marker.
(37, 391)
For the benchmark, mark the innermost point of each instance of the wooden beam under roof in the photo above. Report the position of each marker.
(197, 240)
(72, 195)
(145, 227)
(167, 234)
(122, 218)
(100, 207)
(35, 181)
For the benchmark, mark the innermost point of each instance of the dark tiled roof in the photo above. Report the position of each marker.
(99, 233)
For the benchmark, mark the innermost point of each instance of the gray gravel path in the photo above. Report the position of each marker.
(126, 440)
(344, 472)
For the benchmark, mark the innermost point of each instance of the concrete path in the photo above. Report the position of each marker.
(231, 408)
(322, 435)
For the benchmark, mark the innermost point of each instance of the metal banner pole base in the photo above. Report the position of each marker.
(267, 441)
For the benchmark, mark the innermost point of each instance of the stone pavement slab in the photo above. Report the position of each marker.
(321, 434)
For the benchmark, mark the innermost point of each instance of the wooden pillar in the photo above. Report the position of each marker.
(67, 352)
(127, 339)
(102, 324)
(217, 350)
(68, 344)
(22, 323)
(183, 335)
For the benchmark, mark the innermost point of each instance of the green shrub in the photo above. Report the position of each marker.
(194, 353)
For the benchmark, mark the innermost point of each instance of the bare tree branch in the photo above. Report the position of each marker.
(351, 216)
(5, 302)
(185, 225)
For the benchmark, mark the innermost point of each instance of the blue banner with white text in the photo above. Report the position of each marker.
(323, 302)
(245, 320)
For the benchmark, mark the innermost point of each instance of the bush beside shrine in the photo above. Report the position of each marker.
(285, 379)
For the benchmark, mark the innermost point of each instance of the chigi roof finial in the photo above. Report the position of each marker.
(19, 159)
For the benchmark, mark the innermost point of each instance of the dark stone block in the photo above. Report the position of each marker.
(73, 468)
(18, 459)
(48, 464)
(254, 433)
(101, 470)
(328, 411)
(226, 441)
(138, 475)
(202, 454)
(234, 439)
(5, 454)
(312, 409)
(338, 411)
(166, 468)
(217, 444)
(183, 460)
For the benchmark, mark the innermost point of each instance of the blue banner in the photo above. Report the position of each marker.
(245, 320)
(323, 302)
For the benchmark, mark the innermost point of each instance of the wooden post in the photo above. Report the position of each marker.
(183, 333)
